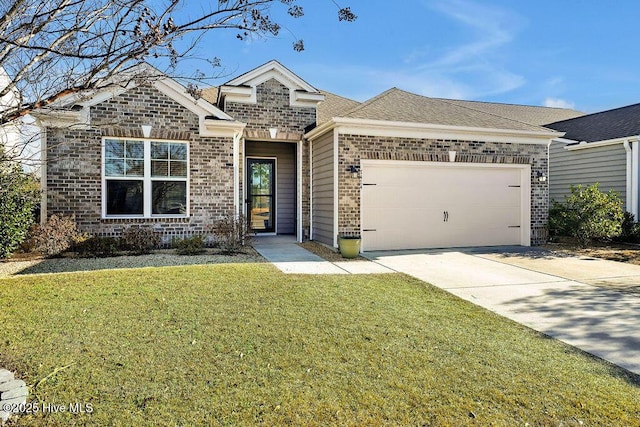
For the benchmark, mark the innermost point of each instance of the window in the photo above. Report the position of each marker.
(144, 178)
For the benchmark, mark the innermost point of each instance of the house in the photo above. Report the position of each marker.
(18, 139)
(402, 170)
(600, 147)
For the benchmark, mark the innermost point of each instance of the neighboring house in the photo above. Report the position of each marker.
(600, 147)
(402, 170)
(18, 139)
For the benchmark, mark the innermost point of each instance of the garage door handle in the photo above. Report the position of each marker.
(446, 216)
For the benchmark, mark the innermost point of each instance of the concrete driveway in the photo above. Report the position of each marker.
(589, 303)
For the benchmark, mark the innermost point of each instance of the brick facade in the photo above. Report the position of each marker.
(273, 109)
(353, 148)
(74, 181)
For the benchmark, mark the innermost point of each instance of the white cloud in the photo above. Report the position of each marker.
(559, 103)
(475, 68)
(472, 69)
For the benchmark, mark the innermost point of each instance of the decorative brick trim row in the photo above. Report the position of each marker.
(492, 158)
(444, 157)
(120, 132)
(144, 220)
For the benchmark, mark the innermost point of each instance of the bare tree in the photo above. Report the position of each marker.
(53, 48)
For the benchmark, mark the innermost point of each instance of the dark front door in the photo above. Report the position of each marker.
(261, 197)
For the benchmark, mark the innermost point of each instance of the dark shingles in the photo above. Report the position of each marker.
(602, 126)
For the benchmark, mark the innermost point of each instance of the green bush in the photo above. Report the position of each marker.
(19, 195)
(55, 236)
(140, 240)
(587, 214)
(630, 229)
(193, 245)
(232, 233)
(98, 246)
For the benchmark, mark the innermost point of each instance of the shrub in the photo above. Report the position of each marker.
(558, 220)
(232, 233)
(18, 197)
(98, 246)
(630, 229)
(55, 236)
(193, 245)
(140, 240)
(587, 214)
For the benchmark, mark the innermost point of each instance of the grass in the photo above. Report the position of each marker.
(245, 344)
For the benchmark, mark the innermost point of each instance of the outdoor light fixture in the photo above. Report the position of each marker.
(541, 177)
(146, 131)
(273, 132)
(452, 156)
(354, 169)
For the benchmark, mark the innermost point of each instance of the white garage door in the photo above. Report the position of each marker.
(410, 205)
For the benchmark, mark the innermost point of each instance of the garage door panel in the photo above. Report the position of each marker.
(426, 205)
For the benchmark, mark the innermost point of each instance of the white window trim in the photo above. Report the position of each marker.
(147, 179)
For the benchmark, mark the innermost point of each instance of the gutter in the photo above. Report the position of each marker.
(429, 130)
(583, 145)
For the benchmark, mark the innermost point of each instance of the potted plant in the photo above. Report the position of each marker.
(349, 245)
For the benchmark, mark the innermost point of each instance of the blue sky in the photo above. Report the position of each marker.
(580, 54)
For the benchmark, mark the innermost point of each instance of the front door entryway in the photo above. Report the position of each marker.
(261, 194)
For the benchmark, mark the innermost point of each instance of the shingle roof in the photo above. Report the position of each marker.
(402, 106)
(533, 115)
(602, 126)
(333, 105)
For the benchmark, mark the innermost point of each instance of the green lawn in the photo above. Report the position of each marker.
(245, 344)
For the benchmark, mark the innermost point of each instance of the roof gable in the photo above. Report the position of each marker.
(74, 109)
(603, 126)
(242, 89)
(271, 70)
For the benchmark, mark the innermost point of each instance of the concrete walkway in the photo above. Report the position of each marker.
(290, 258)
(585, 302)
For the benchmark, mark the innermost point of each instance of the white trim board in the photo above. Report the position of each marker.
(587, 145)
(431, 131)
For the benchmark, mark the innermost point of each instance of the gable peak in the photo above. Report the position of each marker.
(242, 89)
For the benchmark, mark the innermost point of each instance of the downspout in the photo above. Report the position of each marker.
(310, 189)
(43, 173)
(629, 183)
(236, 174)
(300, 151)
(336, 182)
(635, 163)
